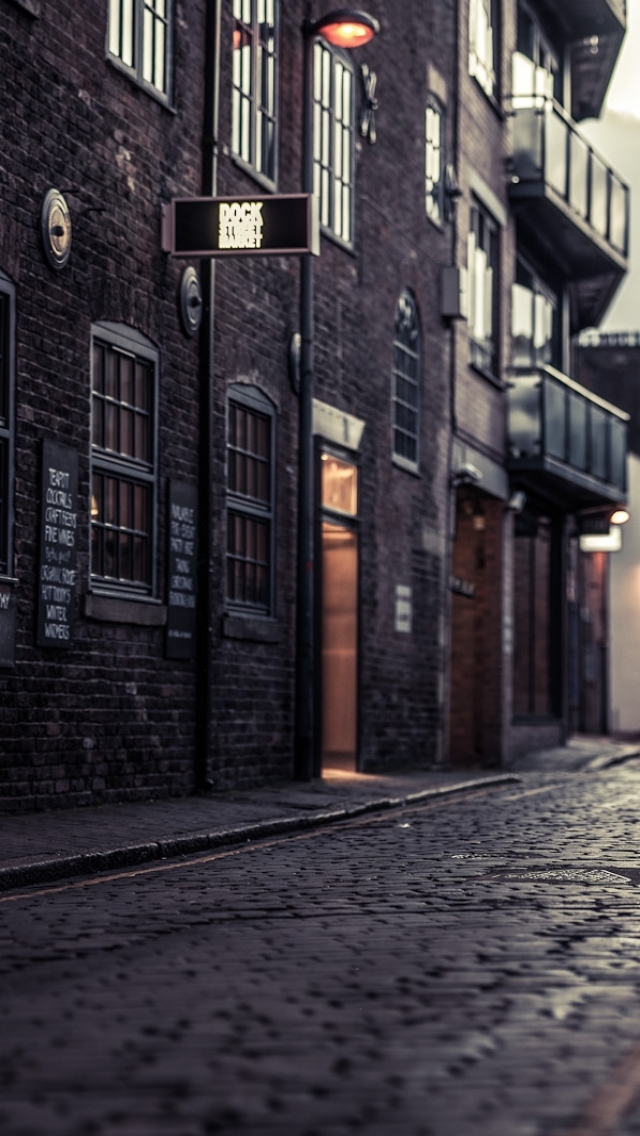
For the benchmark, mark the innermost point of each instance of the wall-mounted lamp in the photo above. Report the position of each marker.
(619, 517)
(346, 27)
(517, 501)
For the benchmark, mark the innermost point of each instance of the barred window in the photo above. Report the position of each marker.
(123, 473)
(6, 416)
(250, 501)
(255, 85)
(333, 140)
(139, 38)
(406, 383)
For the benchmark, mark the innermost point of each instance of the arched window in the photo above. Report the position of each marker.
(405, 390)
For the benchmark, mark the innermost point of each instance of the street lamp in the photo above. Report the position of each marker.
(346, 28)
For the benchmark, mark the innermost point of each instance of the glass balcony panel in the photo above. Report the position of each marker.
(618, 214)
(578, 427)
(599, 430)
(556, 151)
(524, 417)
(599, 195)
(618, 471)
(555, 419)
(528, 127)
(579, 175)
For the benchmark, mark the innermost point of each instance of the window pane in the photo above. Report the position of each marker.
(111, 439)
(97, 422)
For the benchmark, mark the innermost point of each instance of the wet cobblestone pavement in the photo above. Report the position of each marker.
(468, 966)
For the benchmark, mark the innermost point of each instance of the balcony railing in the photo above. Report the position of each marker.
(550, 154)
(561, 431)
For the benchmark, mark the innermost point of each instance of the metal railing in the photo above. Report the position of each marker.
(551, 416)
(548, 148)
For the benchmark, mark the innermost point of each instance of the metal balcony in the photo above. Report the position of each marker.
(594, 29)
(570, 204)
(564, 441)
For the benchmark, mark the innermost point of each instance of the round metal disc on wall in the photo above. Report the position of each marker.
(190, 301)
(55, 228)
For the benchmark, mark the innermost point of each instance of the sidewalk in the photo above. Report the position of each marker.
(46, 846)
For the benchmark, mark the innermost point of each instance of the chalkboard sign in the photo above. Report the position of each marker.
(58, 532)
(181, 598)
(7, 628)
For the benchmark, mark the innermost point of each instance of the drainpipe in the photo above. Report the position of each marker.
(451, 491)
(204, 674)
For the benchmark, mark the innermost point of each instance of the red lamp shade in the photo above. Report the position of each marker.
(347, 28)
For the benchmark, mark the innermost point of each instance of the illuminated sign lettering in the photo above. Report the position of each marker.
(240, 225)
(230, 226)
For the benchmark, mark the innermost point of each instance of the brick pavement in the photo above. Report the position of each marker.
(35, 847)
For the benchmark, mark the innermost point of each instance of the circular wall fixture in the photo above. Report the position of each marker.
(190, 301)
(55, 228)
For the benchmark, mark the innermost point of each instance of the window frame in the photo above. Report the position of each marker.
(405, 298)
(256, 402)
(540, 293)
(324, 151)
(483, 69)
(484, 351)
(257, 112)
(129, 342)
(434, 189)
(138, 40)
(7, 432)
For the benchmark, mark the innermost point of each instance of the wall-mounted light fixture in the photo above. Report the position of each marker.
(619, 517)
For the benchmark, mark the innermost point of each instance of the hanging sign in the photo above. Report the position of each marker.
(241, 226)
(58, 532)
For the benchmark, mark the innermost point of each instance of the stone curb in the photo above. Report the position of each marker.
(133, 855)
(608, 761)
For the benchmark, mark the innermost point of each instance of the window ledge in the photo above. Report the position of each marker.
(488, 375)
(407, 466)
(265, 182)
(251, 628)
(31, 7)
(140, 84)
(116, 609)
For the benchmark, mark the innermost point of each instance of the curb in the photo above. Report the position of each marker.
(133, 855)
(608, 761)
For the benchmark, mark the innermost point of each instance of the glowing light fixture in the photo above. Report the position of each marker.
(620, 517)
(347, 28)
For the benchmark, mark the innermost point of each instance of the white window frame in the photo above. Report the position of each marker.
(255, 74)
(140, 42)
(334, 141)
(483, 37)
(434, 164)
(483, 262)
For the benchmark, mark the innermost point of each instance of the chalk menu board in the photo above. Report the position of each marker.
(180, 640)
(58, 531)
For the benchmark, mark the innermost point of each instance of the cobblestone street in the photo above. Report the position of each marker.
(465, 967)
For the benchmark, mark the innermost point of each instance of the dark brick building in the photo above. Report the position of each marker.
(149, 450)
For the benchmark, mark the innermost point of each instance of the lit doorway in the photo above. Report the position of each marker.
(338, 615)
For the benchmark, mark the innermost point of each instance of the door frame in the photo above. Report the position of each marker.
(322, 513)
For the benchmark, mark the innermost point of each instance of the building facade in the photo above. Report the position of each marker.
(150, 438)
